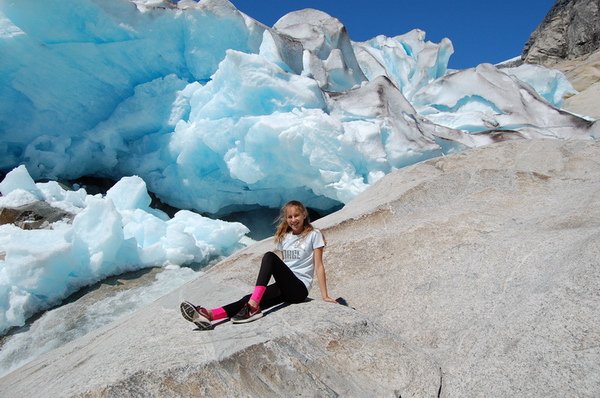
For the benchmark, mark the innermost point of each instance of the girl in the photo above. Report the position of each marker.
(301, 248)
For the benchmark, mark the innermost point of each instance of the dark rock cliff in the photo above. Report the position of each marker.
(571, 29)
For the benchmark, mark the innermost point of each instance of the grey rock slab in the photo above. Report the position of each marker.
(584, 74)
(488, 261)
(309, 349)
(471, 275)
(587, 102)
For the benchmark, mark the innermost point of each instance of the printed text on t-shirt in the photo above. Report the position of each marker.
(291, 254)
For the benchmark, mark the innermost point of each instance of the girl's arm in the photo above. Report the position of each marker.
(320, 269)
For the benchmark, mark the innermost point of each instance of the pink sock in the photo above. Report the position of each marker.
(258, 293)
(218, 313)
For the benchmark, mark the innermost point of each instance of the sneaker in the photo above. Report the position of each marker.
(247, 314)
(196, 315)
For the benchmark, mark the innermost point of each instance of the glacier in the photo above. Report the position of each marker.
(214, 113)
(217, 112)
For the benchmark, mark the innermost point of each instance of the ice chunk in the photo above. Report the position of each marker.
(17, 197)
(551, 84)
(407, 60)
(19, 178)
(485, 98)
(88, 68)
(328, 53)
(129, 193)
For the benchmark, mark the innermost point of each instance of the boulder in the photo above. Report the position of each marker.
(35, 215)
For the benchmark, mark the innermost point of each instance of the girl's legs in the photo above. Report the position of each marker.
(287, 288)
(229, 310)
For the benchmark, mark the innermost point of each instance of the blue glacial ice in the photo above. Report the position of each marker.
(109, 235)
(215, 112)
(203, 102)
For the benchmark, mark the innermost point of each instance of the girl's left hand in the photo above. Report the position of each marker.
(329, 300)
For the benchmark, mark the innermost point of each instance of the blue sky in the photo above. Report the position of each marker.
(480, 30)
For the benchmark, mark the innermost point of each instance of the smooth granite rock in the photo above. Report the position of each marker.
(488, 261)
(471, 275)
(584, 74)
(309, 349)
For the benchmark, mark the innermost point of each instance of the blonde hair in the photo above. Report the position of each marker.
(283, 227)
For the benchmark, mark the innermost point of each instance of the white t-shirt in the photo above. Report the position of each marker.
(298, 251)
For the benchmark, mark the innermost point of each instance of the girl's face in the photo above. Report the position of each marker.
(295, 219)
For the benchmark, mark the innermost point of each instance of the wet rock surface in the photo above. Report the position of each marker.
(36, 215)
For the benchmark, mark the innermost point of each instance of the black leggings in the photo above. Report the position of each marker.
(286, 289)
